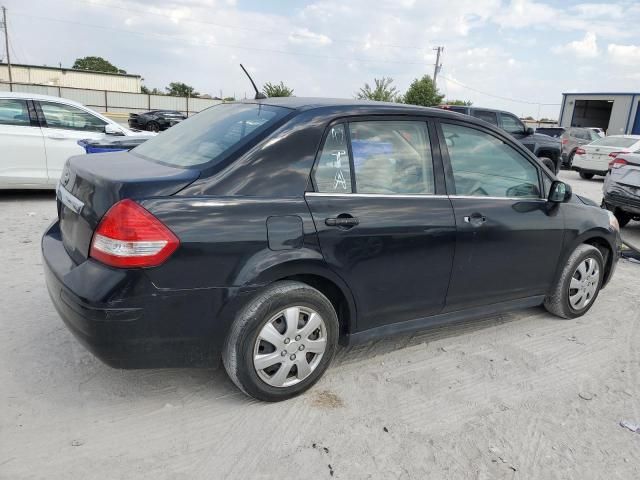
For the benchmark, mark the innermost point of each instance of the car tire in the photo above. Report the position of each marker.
(550, 164)
(623, 217)
(570, 159)
(264, 325)
(586, 176)
(153, 127)
(579, 283)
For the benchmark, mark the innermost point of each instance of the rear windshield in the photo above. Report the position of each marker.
(620, 142)
(211, 134)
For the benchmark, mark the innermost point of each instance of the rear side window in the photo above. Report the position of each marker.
(14, 112)
(392, 157)
(68, 117)
(333, 171)
(485, 166)
(209, 136)
(487, 116)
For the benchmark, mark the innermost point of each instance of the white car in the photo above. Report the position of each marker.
(38, 133)
(594, 158)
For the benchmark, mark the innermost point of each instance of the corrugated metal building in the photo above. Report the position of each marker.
(617, 113)
(67, 77)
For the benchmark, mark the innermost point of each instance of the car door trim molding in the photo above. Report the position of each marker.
(418, 195)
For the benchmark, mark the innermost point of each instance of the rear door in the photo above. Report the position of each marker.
(22, 159)
(383, 221)
(63, 126)
(508, 241)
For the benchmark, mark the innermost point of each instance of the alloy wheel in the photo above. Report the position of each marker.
(584, 283)
(290, 346)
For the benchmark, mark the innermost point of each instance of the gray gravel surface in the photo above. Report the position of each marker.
(514, 396)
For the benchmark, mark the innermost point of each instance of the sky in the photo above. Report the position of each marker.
(516, 55)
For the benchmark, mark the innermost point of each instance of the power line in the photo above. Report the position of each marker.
(211, 44)
(236, 27)
(497, 96)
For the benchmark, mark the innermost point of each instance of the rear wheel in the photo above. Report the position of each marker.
(570, 159)
(585, 175)
(579, 283)
(153, 127)
(282, 342)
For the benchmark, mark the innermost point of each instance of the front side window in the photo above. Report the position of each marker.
(333, 170)
(58, 115)
(511, 124)
(207, 138)
(392, 157)
(14, 112)
(485, 166)
(487, 116)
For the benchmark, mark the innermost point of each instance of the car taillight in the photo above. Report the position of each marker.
(580, 151)
(615, 154)
(130, 236)
(617, 162)
(565, 141)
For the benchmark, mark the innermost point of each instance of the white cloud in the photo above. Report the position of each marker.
(525, 13)
(627, 55)
(598, 10)
(585, 48)
(305, 36)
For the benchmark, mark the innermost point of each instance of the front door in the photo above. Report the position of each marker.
(64, 125)
(383, 222)
(509, 241)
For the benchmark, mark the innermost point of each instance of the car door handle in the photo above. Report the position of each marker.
(343, 220)
(475, 219)
(57, 137)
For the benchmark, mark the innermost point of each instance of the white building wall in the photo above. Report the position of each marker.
(70, 78)
(622, 111)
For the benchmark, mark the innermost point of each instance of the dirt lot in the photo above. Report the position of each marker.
(517, 396)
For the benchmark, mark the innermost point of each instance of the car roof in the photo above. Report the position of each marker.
(348, 106)
(36, 96)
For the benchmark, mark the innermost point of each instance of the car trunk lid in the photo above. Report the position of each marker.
(91, 184)
(597, 156)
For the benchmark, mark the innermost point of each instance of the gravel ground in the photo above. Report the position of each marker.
(515, 396)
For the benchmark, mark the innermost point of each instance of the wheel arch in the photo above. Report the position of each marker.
(599, 239)
(315, 274)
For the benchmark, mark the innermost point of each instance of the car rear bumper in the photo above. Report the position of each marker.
(588, 170)
(627, 203)
(126, 322)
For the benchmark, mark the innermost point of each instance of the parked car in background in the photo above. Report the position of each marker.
(594, 158)
(621, 189)
(551, 131)
(542, 146)
(155, 120)
(265, 232)
(38, 133)
(573, 138)
(111, 144)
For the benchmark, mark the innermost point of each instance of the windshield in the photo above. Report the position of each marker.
(619, 142)
(210, 135)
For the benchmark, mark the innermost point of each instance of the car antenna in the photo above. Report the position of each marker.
(259, 95)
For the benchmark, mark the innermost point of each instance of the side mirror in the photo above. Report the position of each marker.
(528, 131)
(560, 192)
(112, 130)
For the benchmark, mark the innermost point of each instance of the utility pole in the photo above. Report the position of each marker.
(438, 65)
(6, 45)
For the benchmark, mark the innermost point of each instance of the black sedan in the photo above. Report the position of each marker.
(266, 232)
(155, 120)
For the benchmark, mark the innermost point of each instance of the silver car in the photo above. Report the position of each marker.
(573, 138)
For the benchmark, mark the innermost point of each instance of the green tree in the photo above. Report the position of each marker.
(96, 64)
(383, 91)
(463, 103)
(277, 90)
(181, 90)
(229, 99)
(423, 92)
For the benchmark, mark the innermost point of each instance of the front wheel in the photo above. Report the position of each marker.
(281, 342)
(586, 176)
(579, 283)
(153, 127)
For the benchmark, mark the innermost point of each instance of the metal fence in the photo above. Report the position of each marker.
(115, 103)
